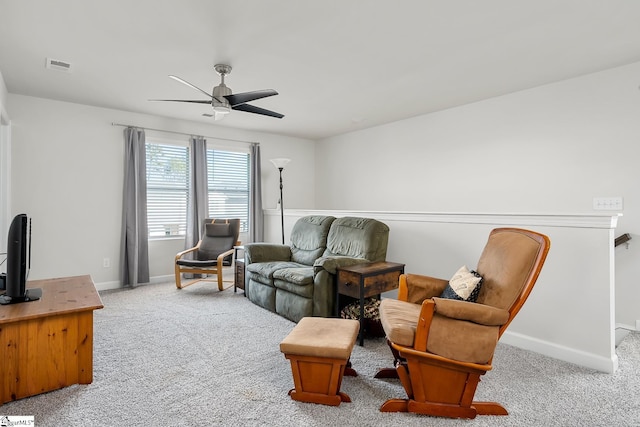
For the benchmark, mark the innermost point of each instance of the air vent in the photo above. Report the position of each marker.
(56, 64)
(208, 115)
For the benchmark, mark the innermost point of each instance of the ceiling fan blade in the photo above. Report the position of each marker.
(190, 85)
(257, 110)
(196, 101)
(241, 98)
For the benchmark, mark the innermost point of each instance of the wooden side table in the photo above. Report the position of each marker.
(238, 274)
(365, 280)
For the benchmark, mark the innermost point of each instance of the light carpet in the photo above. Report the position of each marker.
(200, 357)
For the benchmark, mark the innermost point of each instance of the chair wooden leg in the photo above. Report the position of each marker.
(390, 372)
(349, 371)
(386, 373)
(219, 276)
(405, 379)
(490, 408)
(178, 283)
(395, 405)
(442, 409)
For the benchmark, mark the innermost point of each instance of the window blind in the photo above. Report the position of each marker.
(167, 189)
(228, 185)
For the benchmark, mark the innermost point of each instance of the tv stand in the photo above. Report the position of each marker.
(48, 345)
(31, 294)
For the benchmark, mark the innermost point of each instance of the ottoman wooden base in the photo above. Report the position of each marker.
(318, 349)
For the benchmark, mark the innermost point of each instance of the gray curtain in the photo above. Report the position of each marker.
(198, 202)
(256, 217)
(134, 249)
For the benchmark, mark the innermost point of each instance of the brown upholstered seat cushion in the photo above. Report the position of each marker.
(322, 337)
(399, 320)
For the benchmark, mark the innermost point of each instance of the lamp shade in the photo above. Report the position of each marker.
(280, 163)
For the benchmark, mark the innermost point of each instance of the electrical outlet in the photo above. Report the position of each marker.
(607, 203)
(106, 262)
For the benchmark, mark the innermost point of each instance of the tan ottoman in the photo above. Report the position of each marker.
(319, 349)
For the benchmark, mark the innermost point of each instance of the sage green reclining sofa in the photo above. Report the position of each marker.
(298, 280)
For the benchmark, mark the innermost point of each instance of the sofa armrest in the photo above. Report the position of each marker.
(471, 311)
(332, 263)
(416, 288)
(264, 252)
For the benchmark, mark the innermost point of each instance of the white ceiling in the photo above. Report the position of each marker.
(339, 65)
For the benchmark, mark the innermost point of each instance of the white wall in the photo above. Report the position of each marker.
(5, 169)
(545, 150)
(68, 176)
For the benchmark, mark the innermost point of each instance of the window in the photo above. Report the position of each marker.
(228, 185)
(168, 187)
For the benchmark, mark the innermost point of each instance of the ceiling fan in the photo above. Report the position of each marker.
(223, 100)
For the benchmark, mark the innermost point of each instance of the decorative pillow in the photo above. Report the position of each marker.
(464, 285)
(218, 230)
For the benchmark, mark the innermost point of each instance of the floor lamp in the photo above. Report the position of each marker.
(280, 164)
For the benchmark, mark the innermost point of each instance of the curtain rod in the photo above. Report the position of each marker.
(184, 133)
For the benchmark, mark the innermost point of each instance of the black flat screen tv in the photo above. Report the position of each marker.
(19, 263)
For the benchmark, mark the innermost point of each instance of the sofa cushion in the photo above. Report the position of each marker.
(293, 306)
(267, 269)
(309, 238)
(295, 275)
(359, 238)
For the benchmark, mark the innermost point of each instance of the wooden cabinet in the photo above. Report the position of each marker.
(48, 344)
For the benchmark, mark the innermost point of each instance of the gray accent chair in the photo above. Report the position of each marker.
(298, 280)
(213, 252)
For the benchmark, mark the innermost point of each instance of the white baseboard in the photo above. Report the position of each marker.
(106, 286)
(626, 327)
(560, 352)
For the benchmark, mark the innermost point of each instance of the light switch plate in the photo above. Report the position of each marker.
(607, 203)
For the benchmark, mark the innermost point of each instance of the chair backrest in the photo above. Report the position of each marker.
(510, 264)
(309, 238)
(359, 238)
(218, 236)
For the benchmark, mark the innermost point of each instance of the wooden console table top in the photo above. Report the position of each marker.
(59, 296)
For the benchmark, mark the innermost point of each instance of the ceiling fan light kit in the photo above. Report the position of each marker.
(223, 100)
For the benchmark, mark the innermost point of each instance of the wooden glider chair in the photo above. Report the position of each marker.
(443, 345)
(213, 252)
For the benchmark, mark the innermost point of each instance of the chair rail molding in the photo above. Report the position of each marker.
(585, 220)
